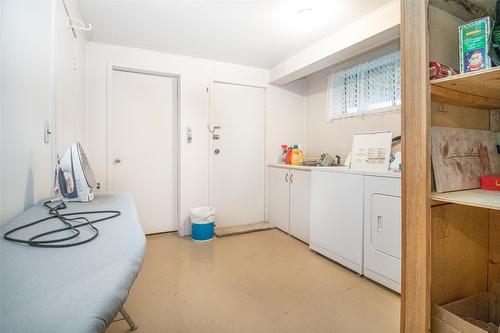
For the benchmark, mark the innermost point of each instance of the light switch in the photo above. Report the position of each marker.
(189, 135)
(46, 132)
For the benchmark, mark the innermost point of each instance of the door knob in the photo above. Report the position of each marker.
(217, 151)
(117, 160)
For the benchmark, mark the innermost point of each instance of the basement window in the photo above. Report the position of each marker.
(365, 87)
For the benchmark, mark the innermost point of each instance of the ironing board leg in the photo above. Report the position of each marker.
(127, 318)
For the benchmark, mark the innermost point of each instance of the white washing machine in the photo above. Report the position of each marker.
(336, 227)
(382, 231)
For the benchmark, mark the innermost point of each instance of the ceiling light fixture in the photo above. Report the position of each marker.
(305, 16)
(305, 12)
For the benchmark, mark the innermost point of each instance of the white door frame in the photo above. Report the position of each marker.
(176, 127)
(209, 126)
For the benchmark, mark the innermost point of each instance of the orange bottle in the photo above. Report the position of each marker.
(294, 155)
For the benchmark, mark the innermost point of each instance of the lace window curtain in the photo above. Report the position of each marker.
(373, 85)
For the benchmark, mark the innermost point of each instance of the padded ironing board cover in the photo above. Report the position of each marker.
(76, 289)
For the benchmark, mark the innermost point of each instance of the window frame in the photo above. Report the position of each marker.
(370, 55)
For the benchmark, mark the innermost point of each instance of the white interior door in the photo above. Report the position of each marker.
(237, 150)
(142, 145)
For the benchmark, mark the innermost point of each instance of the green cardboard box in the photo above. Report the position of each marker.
(473, 42)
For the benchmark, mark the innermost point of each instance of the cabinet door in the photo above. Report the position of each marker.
(337, 217)
(300, 203)
(278, 198)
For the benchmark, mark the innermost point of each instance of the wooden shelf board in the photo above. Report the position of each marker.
(479, 89)
(475, 198)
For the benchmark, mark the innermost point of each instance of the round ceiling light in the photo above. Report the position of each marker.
(305, 12)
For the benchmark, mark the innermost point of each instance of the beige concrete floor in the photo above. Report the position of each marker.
(260, 282)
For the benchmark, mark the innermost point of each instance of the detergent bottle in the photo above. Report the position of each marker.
(297, 157)
(288, 158)
(301, 157)
(284, 151)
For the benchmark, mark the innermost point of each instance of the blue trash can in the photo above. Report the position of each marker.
(202, 224)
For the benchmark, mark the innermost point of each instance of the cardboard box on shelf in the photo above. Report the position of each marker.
(475, 314)
(473, 43)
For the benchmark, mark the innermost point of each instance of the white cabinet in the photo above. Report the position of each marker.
(337, 217)
(300, 202)
(382, 227)
(279, 198)
(289, 200)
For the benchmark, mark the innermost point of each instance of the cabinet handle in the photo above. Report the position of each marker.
(286, 177)
(291, 178)
(379, 223)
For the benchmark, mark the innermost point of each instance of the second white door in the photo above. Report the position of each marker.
(237, 154)
(142, 145)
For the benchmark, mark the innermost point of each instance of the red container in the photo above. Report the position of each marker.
(491, 183)
(288, 159)
(439, 71)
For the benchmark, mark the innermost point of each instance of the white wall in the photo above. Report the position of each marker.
(70, 79)
(195, 74)
(27, 61)
(31, 33)
(286, 117)
(1, 111)
(335, 137)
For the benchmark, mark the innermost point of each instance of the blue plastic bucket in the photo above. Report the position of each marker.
(202, 224)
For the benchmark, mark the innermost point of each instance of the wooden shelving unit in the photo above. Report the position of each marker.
(476, 90)
(451, 241)
(476, 198)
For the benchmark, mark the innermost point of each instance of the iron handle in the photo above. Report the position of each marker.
(286, 177)
(291, 178)
(117, 160)
(217, 151)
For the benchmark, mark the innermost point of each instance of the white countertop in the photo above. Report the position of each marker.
(338, 169)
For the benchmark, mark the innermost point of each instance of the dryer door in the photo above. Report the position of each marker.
(386, 225)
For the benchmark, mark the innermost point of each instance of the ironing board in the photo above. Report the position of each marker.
(75, 289)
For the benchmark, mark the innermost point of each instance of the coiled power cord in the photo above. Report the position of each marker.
(72, 223)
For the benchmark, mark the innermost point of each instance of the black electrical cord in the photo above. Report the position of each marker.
(71, 224)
